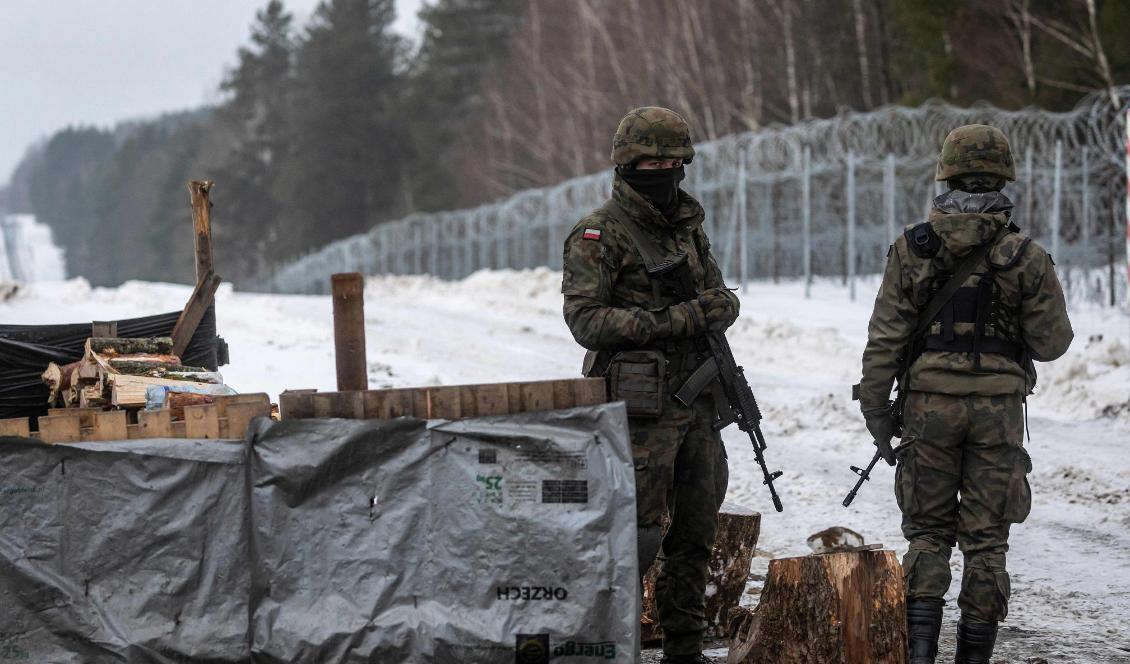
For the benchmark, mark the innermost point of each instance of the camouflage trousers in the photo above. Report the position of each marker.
(962, 477)
(681, 472)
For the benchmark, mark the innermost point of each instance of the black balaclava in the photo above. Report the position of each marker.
(977, 183)
(659, 186)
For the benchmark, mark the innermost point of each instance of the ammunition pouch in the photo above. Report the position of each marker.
(639, 378)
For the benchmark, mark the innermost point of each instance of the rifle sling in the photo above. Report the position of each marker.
(650, 254)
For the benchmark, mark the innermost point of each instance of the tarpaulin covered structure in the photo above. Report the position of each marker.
(26, 350)
(497, 539)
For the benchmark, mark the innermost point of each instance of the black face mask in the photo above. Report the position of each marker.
(659, 186)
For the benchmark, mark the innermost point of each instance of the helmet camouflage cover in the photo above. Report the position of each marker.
(652, 132)
(975, 149)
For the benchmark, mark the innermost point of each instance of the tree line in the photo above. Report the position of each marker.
(332, 127)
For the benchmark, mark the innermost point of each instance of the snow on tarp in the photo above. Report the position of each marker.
(478, 540)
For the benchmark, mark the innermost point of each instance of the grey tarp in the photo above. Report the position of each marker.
(130, 551)
(497, 539)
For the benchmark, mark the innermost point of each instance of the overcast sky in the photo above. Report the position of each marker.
(65, 62)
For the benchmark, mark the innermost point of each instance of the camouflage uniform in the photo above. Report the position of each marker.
(963, 423)
(612, 305)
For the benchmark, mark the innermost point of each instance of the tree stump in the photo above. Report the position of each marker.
(838, 608)
(734, 545)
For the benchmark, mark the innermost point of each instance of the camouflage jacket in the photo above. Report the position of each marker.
(1030, 297)
(611, 303)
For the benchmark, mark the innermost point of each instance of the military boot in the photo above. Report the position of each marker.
(923, 624)
(975, 640)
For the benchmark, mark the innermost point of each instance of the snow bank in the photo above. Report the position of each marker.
(28, 252)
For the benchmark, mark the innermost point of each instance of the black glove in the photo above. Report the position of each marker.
(883, 427)
(720, 306)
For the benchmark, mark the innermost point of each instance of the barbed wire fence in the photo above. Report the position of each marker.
(823, 198)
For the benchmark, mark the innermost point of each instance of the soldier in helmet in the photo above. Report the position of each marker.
(648, 342)
(962, 468)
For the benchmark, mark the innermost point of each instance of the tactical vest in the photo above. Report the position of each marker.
(995, 323)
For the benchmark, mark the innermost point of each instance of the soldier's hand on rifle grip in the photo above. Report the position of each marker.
(883, 427)
(720, 306)
(688, 319)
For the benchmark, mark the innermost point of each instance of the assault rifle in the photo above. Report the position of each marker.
(883, 450)
(720, 373)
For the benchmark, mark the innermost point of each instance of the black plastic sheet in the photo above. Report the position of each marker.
(26, 350)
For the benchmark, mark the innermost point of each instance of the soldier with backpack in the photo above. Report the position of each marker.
(966, 304)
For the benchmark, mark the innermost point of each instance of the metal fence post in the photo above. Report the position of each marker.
(743, 226)
(806, 216)
(1057, 183)
(850, 255)
(889, 195)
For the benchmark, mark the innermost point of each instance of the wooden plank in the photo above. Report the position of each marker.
(104, 328)
(201, 421)
(590, 391)
(239, 416)
(491, 399)
(347, 405)
(537, 396)
(110, 425)
(193, 312)
(420, 403)
(178, 430)
(467, 401)
(513, 398)
(296, 404)
(85, 415)
(16, 426)
(563, 395)
(155, 423)
(60, 429)
(259, 398)
(444, 403)
(388, 404)
(129, 391)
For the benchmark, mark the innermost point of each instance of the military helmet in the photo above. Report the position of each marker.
(975, 149)
(652, 132)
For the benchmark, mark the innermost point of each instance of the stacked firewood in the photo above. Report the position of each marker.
(118, 372)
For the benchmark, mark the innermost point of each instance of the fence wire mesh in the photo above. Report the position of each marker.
(818, 199)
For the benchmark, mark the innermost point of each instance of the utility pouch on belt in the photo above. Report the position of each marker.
(638, 378)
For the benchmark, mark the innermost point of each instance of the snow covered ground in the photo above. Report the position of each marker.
(1070, 561)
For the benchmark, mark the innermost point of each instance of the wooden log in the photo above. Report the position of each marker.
(193, 312)
(16, 426)
(110, 425)
(115, 346)
(198, 193)
(129, 391)
(837, 608)
(60, 429)
(176, 402)
(734, 546)
(155, 423)
(349, 331)
(201, 421)
(142, 365)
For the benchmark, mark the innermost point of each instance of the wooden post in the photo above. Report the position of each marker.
(836, 608)
(201, 225)
(349, 331)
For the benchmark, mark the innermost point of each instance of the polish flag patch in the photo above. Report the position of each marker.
(592, 234)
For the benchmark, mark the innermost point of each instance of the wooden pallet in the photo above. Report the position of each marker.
(447, 403)
(227, 418)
